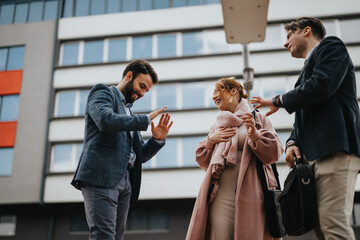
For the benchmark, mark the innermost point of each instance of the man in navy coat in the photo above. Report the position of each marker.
(109, 170)
(327, 122)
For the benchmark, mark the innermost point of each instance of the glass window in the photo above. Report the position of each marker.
(167, 45)
(66, 101)
(147, 165)
(212, 1)
(93, 51)
(62, 157)
(166, 96)
(357, 76)
(147, 220)
(128, 5)
(283, 137)
(192, 43)
(79, 147)
(209, 90)
(65, 157)
(6, 159)
(256, 90)
(139, 220)
(350, 30)
(167, 156)
(83, 100)
(273, 39)
(78, 222)
(189, 148)
(356, 215)
(50, 10)
(97, 7)
(291, 82)
(193, 95)
(143, 104)
(82, 8)
(35, 12)
(70, 53)
(145, 5)
(68, 8)
(117, 50)
(3, 58)
(7, 225)
(113, 6)
(7, 14)
(158, 4)
(216, 41)
(21, 12)
(9, 108)
(330, 28)
(16, 58)
(142, 47)
(178, 3)
(195, 2)
(273, 86)
(159, 220)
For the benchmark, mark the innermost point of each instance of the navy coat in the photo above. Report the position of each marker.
(327, 118)
(107, 142)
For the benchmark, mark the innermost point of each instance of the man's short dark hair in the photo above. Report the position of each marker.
(316, 25)
(141, 66)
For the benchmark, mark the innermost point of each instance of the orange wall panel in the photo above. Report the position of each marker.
(10, 82)
(7, 134)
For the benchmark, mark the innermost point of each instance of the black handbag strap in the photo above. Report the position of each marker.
(260, 169)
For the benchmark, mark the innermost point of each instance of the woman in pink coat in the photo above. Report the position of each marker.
(230, 202)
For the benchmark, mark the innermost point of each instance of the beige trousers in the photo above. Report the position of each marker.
(221, 210)
(335, 181)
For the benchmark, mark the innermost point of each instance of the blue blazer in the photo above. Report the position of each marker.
(107, 142)
(327, 117)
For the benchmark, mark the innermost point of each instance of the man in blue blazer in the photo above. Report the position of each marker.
(327, 122)
(109, 170)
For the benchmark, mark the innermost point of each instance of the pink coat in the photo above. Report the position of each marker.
(249, 214)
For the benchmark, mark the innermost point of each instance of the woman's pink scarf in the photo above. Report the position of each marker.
(225, 153)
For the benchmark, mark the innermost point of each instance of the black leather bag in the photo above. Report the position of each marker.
(273, 216)
(298, 200)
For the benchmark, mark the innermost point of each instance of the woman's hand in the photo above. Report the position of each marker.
(222, 135)
(249, 122)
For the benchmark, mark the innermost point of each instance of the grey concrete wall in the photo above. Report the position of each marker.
(24, 184)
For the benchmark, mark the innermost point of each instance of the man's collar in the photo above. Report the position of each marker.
(122, 98)
(310, 52)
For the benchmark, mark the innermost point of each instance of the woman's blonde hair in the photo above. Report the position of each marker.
(230, 83)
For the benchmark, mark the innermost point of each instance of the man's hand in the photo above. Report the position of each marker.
(264, 102)
(222, 135)
(155, 113)
(161, 130)
(290, 153)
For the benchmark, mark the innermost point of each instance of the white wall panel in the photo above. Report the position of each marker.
(156, 184)
(188, 68)
(285, 9)
(67, 130)
(88, 76)
(188, 18)
(141, 22)
(192, 122)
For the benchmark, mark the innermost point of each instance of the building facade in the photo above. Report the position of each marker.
(53, 51)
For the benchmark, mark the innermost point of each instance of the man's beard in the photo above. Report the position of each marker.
(129, 91)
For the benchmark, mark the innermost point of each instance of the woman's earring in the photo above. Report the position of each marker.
(231, 99)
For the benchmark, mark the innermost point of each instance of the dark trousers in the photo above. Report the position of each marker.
(106, 209)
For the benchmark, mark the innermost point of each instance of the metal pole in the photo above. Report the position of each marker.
(248, 72)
